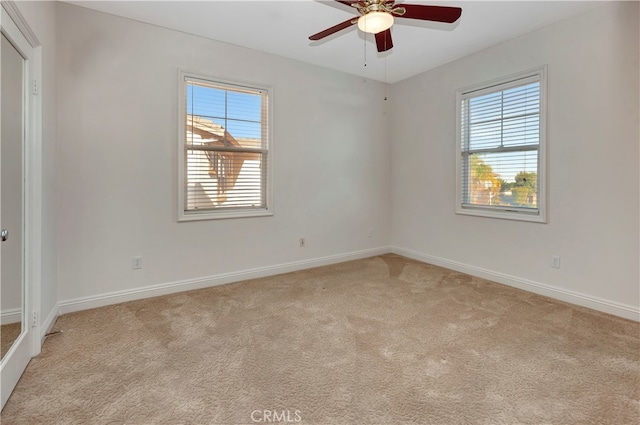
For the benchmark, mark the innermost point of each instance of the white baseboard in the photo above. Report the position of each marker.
(101, 300)
(11, 315)
(605, 306)
(47, 325)
(85, 303)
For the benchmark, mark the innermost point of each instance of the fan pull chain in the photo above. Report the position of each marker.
(385, 74)
(365, 48)
(385, 71)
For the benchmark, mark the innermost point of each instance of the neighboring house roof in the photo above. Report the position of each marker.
(216, 135)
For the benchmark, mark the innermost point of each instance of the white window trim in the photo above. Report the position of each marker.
(223, 214)
(505, 212)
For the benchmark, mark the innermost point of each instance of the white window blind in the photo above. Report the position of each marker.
(225, 149)
(501, 133)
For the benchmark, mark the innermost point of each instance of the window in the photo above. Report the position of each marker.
(501, 141)
(224, 149)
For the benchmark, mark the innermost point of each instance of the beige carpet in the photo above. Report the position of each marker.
(385, 340)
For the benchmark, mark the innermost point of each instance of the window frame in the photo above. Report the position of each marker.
(500, 84)
(224, 213)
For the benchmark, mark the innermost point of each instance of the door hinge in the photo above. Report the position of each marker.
(34, 87)
(34, 323)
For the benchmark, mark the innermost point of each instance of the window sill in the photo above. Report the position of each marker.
(505, 215)
(196, 216)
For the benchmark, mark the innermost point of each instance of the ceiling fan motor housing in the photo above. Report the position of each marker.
(383, 6)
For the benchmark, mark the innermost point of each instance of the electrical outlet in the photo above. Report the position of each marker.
(370, 233)
(136, 263)
(555, 261)
(302, 243)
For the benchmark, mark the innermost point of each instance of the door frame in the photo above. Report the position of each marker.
(28, 344)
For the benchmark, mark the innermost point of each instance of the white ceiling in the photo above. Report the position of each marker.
(283, 27)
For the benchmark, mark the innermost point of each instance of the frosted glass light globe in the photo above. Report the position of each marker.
(375, 22)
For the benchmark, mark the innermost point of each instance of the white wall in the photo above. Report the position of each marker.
(117, 159)
(41, 17)
(593, 176)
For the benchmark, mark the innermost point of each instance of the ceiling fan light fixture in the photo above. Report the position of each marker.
(375, 22)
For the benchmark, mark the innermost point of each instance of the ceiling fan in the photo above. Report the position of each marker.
(377, 18)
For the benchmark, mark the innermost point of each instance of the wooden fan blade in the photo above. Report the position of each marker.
(431, 13)
(383, 40)
(332, 30)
